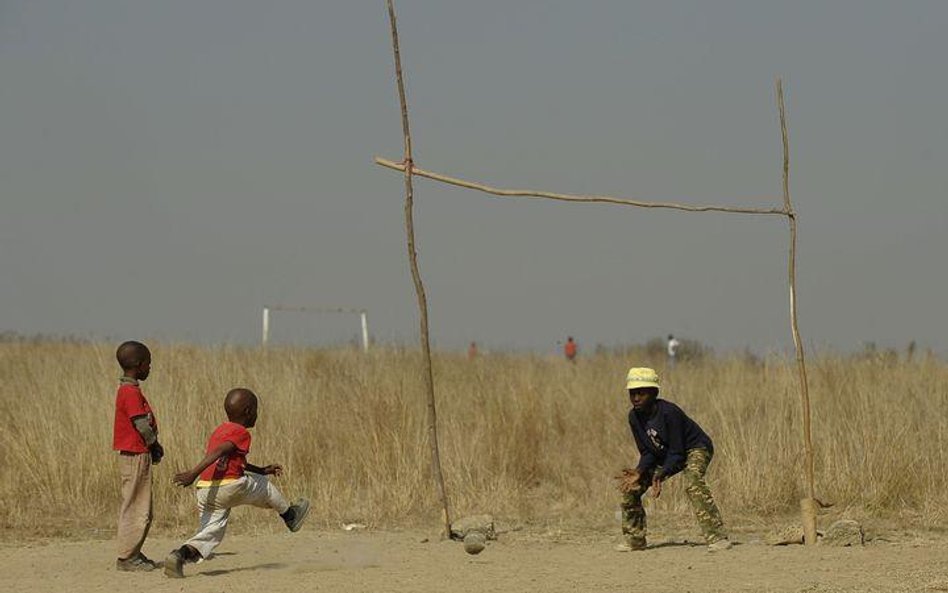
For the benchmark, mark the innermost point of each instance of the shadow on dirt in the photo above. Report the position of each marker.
(676, 545)
(224, 571)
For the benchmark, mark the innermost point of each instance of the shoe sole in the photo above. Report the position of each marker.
(174, 566)
(625, 547)
(301, 508)
(155, 564)
(141, 567)
(134, 569)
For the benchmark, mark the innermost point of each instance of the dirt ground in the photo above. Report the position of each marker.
(416, 561)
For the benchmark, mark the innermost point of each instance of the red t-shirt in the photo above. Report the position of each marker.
(129, 403)
(228, 466)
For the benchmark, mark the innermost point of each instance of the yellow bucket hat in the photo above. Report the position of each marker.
(641, 377)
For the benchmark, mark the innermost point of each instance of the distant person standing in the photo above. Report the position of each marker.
(472, 351)
(570, 349)
(672, 349)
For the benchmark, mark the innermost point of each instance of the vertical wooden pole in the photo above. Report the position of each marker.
(807, 505)
(265, 332)
(365, 330)
(419, 287)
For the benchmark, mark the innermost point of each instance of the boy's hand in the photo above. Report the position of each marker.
(185, 478)
(157, 452)
(656, 487)
(274, 469)
(628, 480)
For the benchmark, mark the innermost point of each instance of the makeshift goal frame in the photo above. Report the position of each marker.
(268, 309)
(406, 166)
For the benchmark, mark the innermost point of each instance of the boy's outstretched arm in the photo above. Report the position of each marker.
(274, 469)
(187, 478)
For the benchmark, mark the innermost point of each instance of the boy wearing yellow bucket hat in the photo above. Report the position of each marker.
(669, 442)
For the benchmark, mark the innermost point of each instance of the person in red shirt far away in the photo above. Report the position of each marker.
(225, 480)
(569, 349)
(135, 437)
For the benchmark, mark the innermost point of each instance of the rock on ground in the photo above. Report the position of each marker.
(480, 523)
(786, 536)
(844, 532)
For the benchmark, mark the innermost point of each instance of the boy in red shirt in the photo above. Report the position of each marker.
(135, 437)
(228, 480)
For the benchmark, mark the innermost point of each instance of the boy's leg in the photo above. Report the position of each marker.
(706, 511)
(215, 503)
(633, 516)
(261, 492)
(135, 513)
(214, 506)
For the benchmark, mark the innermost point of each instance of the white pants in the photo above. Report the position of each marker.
(215, 504)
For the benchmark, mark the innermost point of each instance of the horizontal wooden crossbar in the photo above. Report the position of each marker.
(531, 193)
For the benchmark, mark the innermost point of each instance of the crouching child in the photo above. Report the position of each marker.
(669, 442)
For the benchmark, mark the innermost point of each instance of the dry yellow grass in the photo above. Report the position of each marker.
(527, 438)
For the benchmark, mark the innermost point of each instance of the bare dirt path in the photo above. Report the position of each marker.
(402, 561)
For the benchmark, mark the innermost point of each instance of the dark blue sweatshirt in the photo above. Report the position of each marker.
(665, 437)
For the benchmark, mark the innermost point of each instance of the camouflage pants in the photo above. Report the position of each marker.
(706, 512)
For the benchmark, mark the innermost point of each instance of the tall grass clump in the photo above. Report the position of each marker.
(528, 438)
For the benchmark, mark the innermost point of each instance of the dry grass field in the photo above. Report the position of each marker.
(532, 440)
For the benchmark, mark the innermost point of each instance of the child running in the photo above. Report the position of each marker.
(668, 442)
(227, 481)
(135, 437)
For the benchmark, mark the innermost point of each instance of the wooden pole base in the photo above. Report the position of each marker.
(808, 508)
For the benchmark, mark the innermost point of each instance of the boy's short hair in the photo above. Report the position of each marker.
(131, 354)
